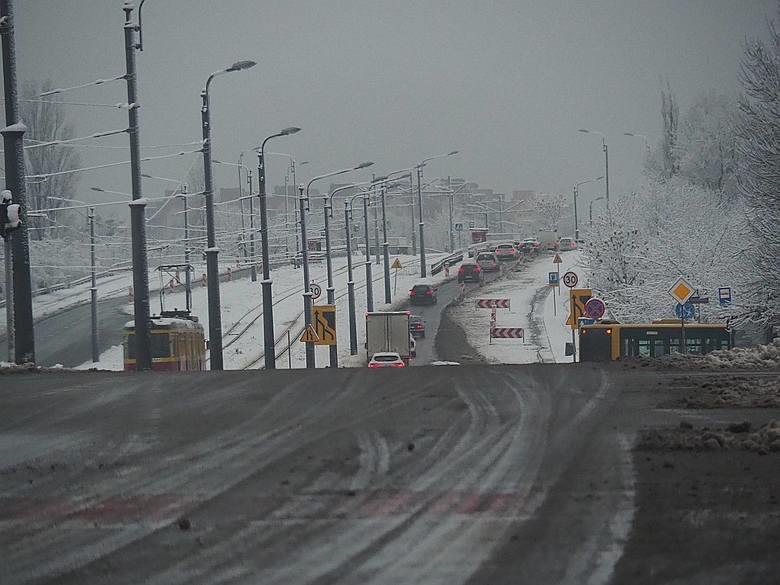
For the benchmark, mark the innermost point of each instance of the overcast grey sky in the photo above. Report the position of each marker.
(506, 82)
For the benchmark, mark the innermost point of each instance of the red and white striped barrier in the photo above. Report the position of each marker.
(506, 332)
(492, 303)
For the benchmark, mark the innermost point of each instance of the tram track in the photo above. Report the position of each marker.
(295, 328)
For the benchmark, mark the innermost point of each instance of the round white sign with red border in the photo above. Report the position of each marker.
(315, 290)
(570, 279)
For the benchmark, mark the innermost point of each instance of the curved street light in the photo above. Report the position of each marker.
(212, 265)
(605, 148)
(331, 297)
(576, 191)
(419, 166)
(590, 209)
(642, 136)
(268, 302)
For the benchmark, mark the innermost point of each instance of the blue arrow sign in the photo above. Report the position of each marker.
(686, 311)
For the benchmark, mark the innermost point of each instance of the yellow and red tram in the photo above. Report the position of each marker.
(177, 343)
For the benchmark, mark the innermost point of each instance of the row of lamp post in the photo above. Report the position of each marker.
(605, 149)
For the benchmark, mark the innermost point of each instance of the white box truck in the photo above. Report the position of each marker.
(388, 331)
(548, 239)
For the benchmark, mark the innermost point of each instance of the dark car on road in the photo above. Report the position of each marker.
(422, 294)
(469, 272)
(416, 326)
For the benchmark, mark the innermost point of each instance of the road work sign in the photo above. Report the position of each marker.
(396, 264)
(578, 297)
(309, 335)
(324, 320)
(492, 303)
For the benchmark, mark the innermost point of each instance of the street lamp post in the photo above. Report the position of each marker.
(385, 243)
(423, 270)
(212, 265)
(295, 208)
(642, 136)
(310, 363)
(369, 277)
(187, 250)
(350, 279)
(241, 165)
(590, 209)
(605, 148)
(576, 191)
(268, 302)
(331, 291)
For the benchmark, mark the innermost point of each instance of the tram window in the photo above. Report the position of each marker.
(161, 346)
(130, 346)
(693, 345)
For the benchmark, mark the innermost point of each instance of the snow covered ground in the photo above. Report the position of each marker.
(241, 302)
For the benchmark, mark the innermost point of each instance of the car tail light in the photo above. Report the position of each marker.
(476, 269)
(419, 326)
(460, 271)
(373, 365)
(411, 293)
(430, 292)
(398, 365)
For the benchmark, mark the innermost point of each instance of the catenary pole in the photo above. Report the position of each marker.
(20, 283)
(142, 335)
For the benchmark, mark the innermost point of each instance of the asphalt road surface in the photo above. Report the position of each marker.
(446, 293)
(470, 474)
(66, 337)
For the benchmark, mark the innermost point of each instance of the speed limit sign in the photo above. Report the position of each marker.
(315, 290)
(570, 279)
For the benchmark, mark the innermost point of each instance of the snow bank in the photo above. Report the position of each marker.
(760, 357)
(739, 436)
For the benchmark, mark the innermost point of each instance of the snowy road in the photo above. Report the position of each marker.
(431, 475)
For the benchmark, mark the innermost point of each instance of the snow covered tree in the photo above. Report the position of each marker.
(664, 161)
(666, 229)
(549, 208)
(706, 143)
(46, 121)
(758, 146)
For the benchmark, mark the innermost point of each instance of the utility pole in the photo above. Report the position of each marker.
(307, 300)
(19, 284)
(187, 251)
(9, 300)
(414, 225)
(93, 289)
(450, 195)
(385, 246)
(369, 280)
(142, 336)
